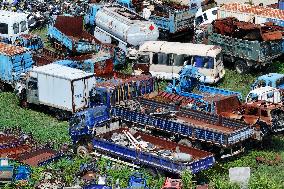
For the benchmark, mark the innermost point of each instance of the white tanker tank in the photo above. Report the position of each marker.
(126, 25)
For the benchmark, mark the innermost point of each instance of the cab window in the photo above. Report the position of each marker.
(32, 84)
(23, 26)
(280, 82)
(3, 28)
(198, 20)
(16, 28)
(203, 62)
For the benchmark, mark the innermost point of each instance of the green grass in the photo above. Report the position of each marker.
(44, 127)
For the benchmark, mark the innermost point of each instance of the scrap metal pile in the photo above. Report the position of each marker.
(40, 12)
(232, 27)
(22, 147)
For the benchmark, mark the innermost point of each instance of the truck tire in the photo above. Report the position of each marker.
(83, 152)
(241, 67)
(2, 87)
(185, 142)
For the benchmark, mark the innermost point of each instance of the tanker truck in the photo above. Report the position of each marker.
(117, 25)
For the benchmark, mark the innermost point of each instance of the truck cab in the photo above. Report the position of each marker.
(205, 17)
(12, 25)
(267, 93)
(275, 80)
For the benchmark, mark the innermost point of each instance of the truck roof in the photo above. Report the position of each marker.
(180, 48)
(11, 50)
(10, 16)
(61, 71)
(254, 9)
(262, 90)
(271, 76)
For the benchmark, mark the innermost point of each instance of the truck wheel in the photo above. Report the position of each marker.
(241, 67)
(185, 142)
(2, 87)
(83, 152)
(24, 104)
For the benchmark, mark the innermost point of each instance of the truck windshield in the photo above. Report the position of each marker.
(3, 28)
(280, 82)
(203, 62)
(143, 59)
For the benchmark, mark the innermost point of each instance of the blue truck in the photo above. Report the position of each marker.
(68, 36)
(14, 61)
(71, 38)
(102, 143)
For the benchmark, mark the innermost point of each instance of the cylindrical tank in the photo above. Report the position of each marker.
(126, 25)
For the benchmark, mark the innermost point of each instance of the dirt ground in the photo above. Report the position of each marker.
(256, 2)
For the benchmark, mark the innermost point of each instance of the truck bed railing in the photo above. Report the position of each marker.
(190, 130)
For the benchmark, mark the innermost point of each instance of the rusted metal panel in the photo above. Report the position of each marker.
(232, 27)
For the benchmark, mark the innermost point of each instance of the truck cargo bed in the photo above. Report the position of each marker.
(201, 160)
(224, 132)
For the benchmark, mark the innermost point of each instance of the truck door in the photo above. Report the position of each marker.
(32, 90)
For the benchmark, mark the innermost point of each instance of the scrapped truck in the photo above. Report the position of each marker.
(13, 24)
(14, 144)
(15, 61)
(263, 116)
(147, 150)
(67, 34)
(61, 89)
(117, 25)
(166, 60)
(244, 44)
(14, 30)
(174, 18)
(190, 127)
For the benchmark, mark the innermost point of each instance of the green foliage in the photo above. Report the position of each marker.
(186, 177)
(43, 127)
(219, 183)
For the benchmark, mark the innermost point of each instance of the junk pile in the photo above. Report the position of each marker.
(17, 145)
(232, 27)
(127, 139)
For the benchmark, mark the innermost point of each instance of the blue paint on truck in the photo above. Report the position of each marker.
(14, 61)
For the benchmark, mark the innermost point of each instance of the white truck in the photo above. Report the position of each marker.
(12, 25)
(62, 89)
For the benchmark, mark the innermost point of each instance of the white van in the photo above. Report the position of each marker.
(268, 94)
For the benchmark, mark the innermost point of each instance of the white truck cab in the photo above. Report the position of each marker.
(12, 25)
(205, 17)
(267, 93)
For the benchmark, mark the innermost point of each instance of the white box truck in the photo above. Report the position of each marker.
(62, 89)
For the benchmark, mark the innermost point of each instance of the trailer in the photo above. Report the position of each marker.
(14, 61)
(60, 89)
(201, 160)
